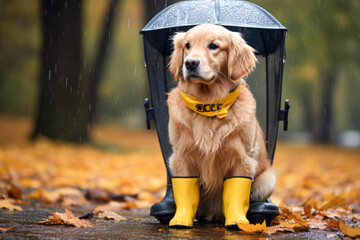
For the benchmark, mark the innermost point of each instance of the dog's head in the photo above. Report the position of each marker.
(207, 53)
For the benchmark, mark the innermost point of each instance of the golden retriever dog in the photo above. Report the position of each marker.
(209, 62)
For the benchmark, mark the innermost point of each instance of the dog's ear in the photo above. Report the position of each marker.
(177, 57)
(241, 59)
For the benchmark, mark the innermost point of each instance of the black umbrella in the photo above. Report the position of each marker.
(260, 30)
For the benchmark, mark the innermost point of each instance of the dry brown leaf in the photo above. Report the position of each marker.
(129, 205)
(6, 229)
(14, 192)
(253, 228)
(8, 205)
(348, 230)
(284, 227)
(109, 215)
(317, 224)
(67, 218)
(286, 212)
(333, 201)
(278, 228)
(332, 223)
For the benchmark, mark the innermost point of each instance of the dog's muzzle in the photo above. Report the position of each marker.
(192, 67)
(192, 64)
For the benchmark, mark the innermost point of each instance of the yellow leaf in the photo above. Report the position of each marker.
(257, 228)
(8, 205)
(348, 230)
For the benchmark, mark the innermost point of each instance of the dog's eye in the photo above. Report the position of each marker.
(187, 45)
(213, 46)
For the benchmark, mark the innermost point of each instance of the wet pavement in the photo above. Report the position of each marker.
(139, 226)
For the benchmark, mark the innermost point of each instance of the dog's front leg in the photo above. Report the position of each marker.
(186, 192)
(237, 190)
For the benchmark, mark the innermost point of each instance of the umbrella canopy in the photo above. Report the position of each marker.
(258, 27)
(229, 13)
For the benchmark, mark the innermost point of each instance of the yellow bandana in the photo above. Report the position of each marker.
(219, 107)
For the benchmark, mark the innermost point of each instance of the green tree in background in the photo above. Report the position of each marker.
(322, 45)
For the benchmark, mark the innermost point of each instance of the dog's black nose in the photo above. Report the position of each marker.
(192, 63)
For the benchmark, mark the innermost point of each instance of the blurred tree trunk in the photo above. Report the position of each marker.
(67, 99)
(63, 112)
(323, 131)
(99, 61)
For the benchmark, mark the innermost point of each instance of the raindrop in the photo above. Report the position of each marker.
(66, 82)
(49, 75)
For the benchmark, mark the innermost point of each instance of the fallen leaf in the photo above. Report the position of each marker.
(6, 229)
(110, 216)
(348, 230)
(67, 218)
(47, 196)
(14, 192)
(314, 223)
(278, 228)
(129, 205)
(333, 201)
(8, 205)
(286, 212)
(253, 228)
(332, 223)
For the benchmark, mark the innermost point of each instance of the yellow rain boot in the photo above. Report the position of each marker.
(236, 199)
(186, 194)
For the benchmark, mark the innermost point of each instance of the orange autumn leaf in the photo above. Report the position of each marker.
(129, 205)
(278, 228)
(287, 213)
(14, 192)
(348, 230)
(6, 229)
(284, 227)
(253, 228)
(67, 218)
(332, 223)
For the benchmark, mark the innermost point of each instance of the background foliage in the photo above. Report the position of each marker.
(322, 58)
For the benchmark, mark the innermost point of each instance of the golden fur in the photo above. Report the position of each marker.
(208, 147)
